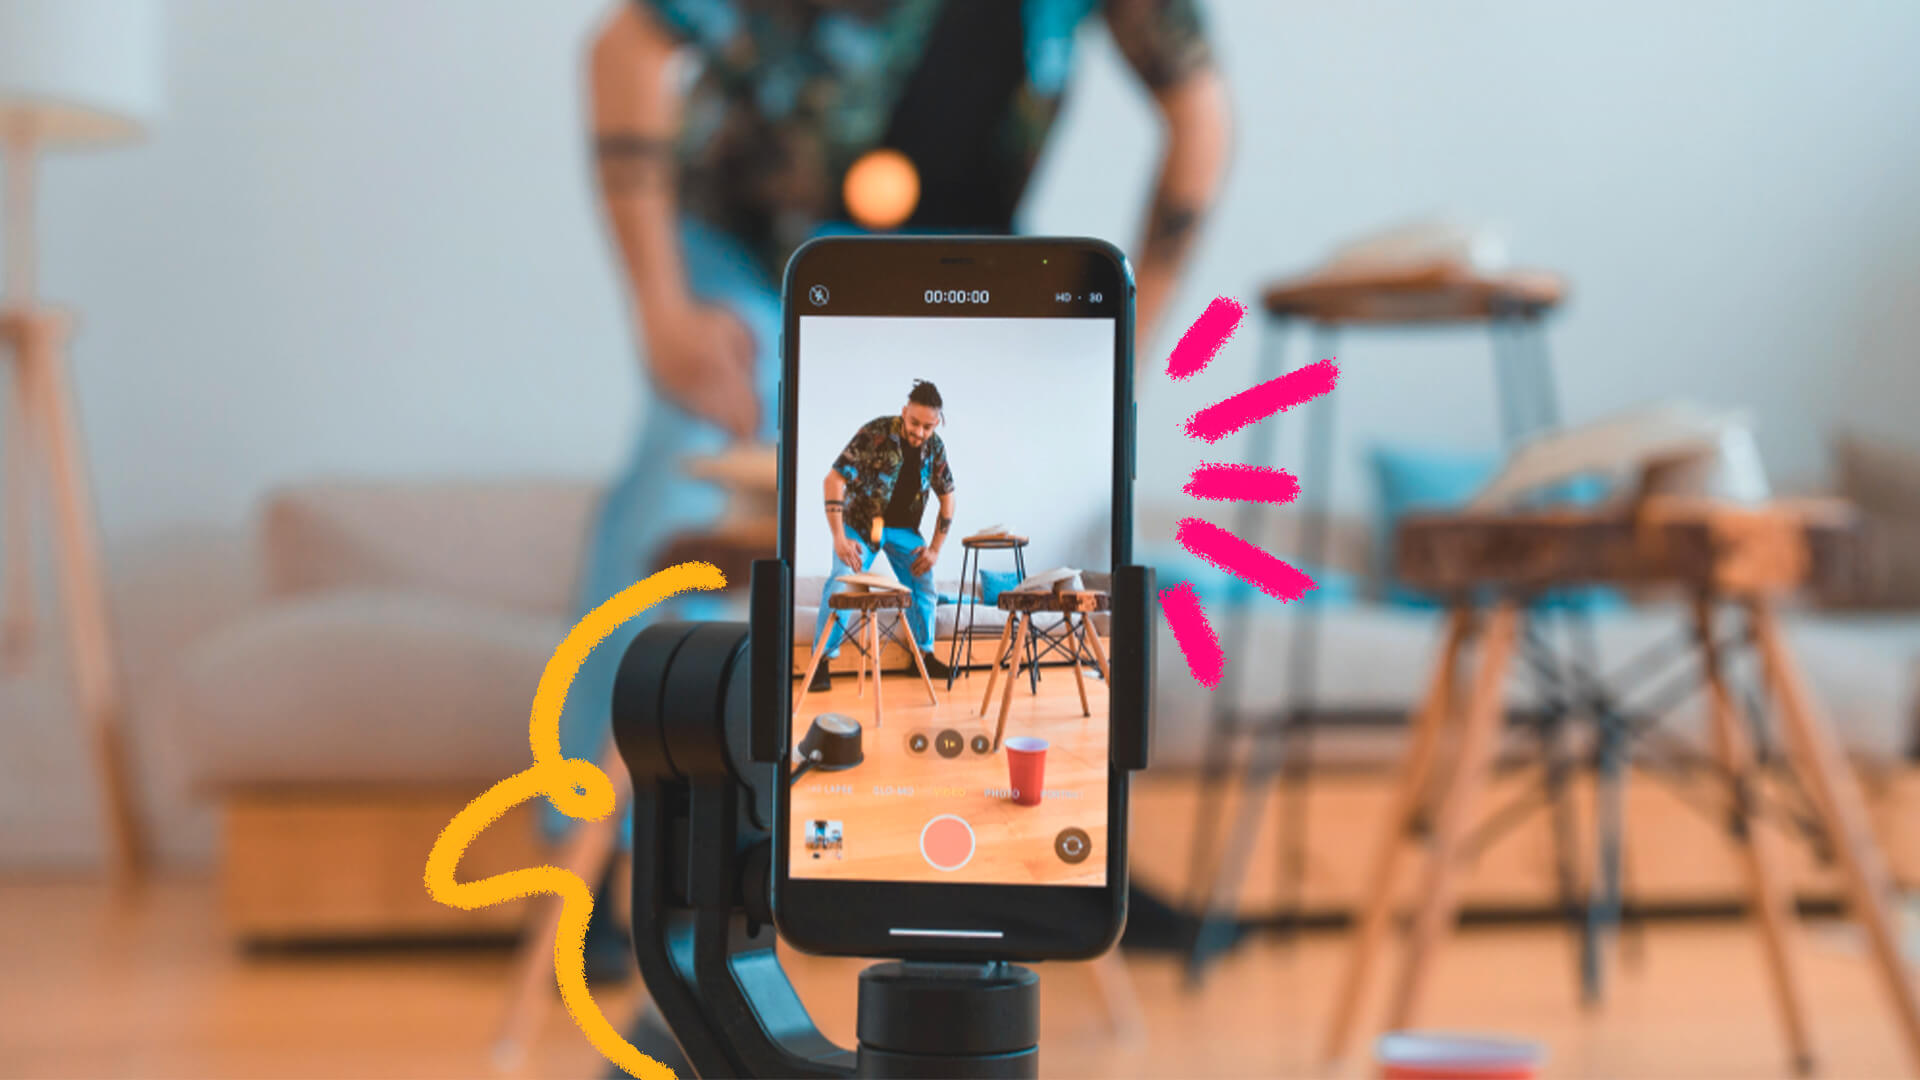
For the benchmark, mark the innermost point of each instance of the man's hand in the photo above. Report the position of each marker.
(849, 551)
(923, 560)
(701, 357)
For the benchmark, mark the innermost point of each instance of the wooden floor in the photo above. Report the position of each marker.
(888, 798)
(94, 987)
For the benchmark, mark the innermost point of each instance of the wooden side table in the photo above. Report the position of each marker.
(1016, 638)
(868, 603)
(1723, 557)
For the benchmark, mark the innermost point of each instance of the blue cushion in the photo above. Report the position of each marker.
(1410, 480)
(995, 582)
(1220, 591)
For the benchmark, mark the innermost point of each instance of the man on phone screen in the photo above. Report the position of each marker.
(876, 497)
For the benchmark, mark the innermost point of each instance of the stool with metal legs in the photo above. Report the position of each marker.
(971, 549)
(1512, 307)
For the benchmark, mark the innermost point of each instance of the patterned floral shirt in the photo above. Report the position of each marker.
(871, 465)
(790, 93)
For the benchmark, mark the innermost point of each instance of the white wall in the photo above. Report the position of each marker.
(1030, 448)
(1729, 185)
(362, 237)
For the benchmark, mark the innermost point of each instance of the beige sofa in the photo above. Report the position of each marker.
(383, 680)
(385, 677)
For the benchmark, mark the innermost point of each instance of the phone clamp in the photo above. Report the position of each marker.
(704, 786)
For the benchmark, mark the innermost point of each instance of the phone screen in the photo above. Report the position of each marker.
(952, 491)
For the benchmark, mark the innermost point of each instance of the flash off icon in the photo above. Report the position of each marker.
(818, 294)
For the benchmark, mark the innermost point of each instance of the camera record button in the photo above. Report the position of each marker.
(947, 842)
(1073, 845)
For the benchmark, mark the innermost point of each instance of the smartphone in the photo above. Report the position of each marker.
(957, 422)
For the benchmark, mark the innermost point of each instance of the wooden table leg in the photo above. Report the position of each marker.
(1079, 677)
(913, 646)
(16, 531)
(1479, 744)
(1015, 662)
(1113, 982)
(1428, 718)
(860, 646)
(813, 664)
(873, 635)
(1099, 650)
(1843, 810)
(993, 670)
(1772, 906)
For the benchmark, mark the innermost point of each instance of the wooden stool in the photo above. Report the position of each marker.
(1512, 307)
(1742, 557)
(869, 603)
(1021, 606)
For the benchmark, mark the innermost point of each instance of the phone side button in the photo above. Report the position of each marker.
(1133, 440)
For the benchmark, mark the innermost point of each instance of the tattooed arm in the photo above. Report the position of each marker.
(1194, 111)
(700, 356)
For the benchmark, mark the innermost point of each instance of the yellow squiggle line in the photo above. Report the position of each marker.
(577, 789)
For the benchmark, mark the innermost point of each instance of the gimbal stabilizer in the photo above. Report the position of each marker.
(700, 720)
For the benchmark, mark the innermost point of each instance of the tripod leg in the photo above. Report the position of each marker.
(1772, 907)
(1377, 895)
(1843, 811)
(1479, 743)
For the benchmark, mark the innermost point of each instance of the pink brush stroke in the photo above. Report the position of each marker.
(1242, 483)
(1203, 340)
(1194, 634)
(1271, 575)
(1221, 419)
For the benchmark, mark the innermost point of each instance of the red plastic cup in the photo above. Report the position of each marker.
(1432, 1055)
(1026, 768)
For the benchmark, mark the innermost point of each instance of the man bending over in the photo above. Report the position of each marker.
(876, 497)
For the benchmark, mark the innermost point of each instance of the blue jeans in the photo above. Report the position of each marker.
(899, 546)
(653, 499)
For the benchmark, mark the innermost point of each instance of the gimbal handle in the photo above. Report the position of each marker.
(700, 719)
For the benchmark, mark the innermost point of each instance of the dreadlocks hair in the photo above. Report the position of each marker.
(925, 393)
